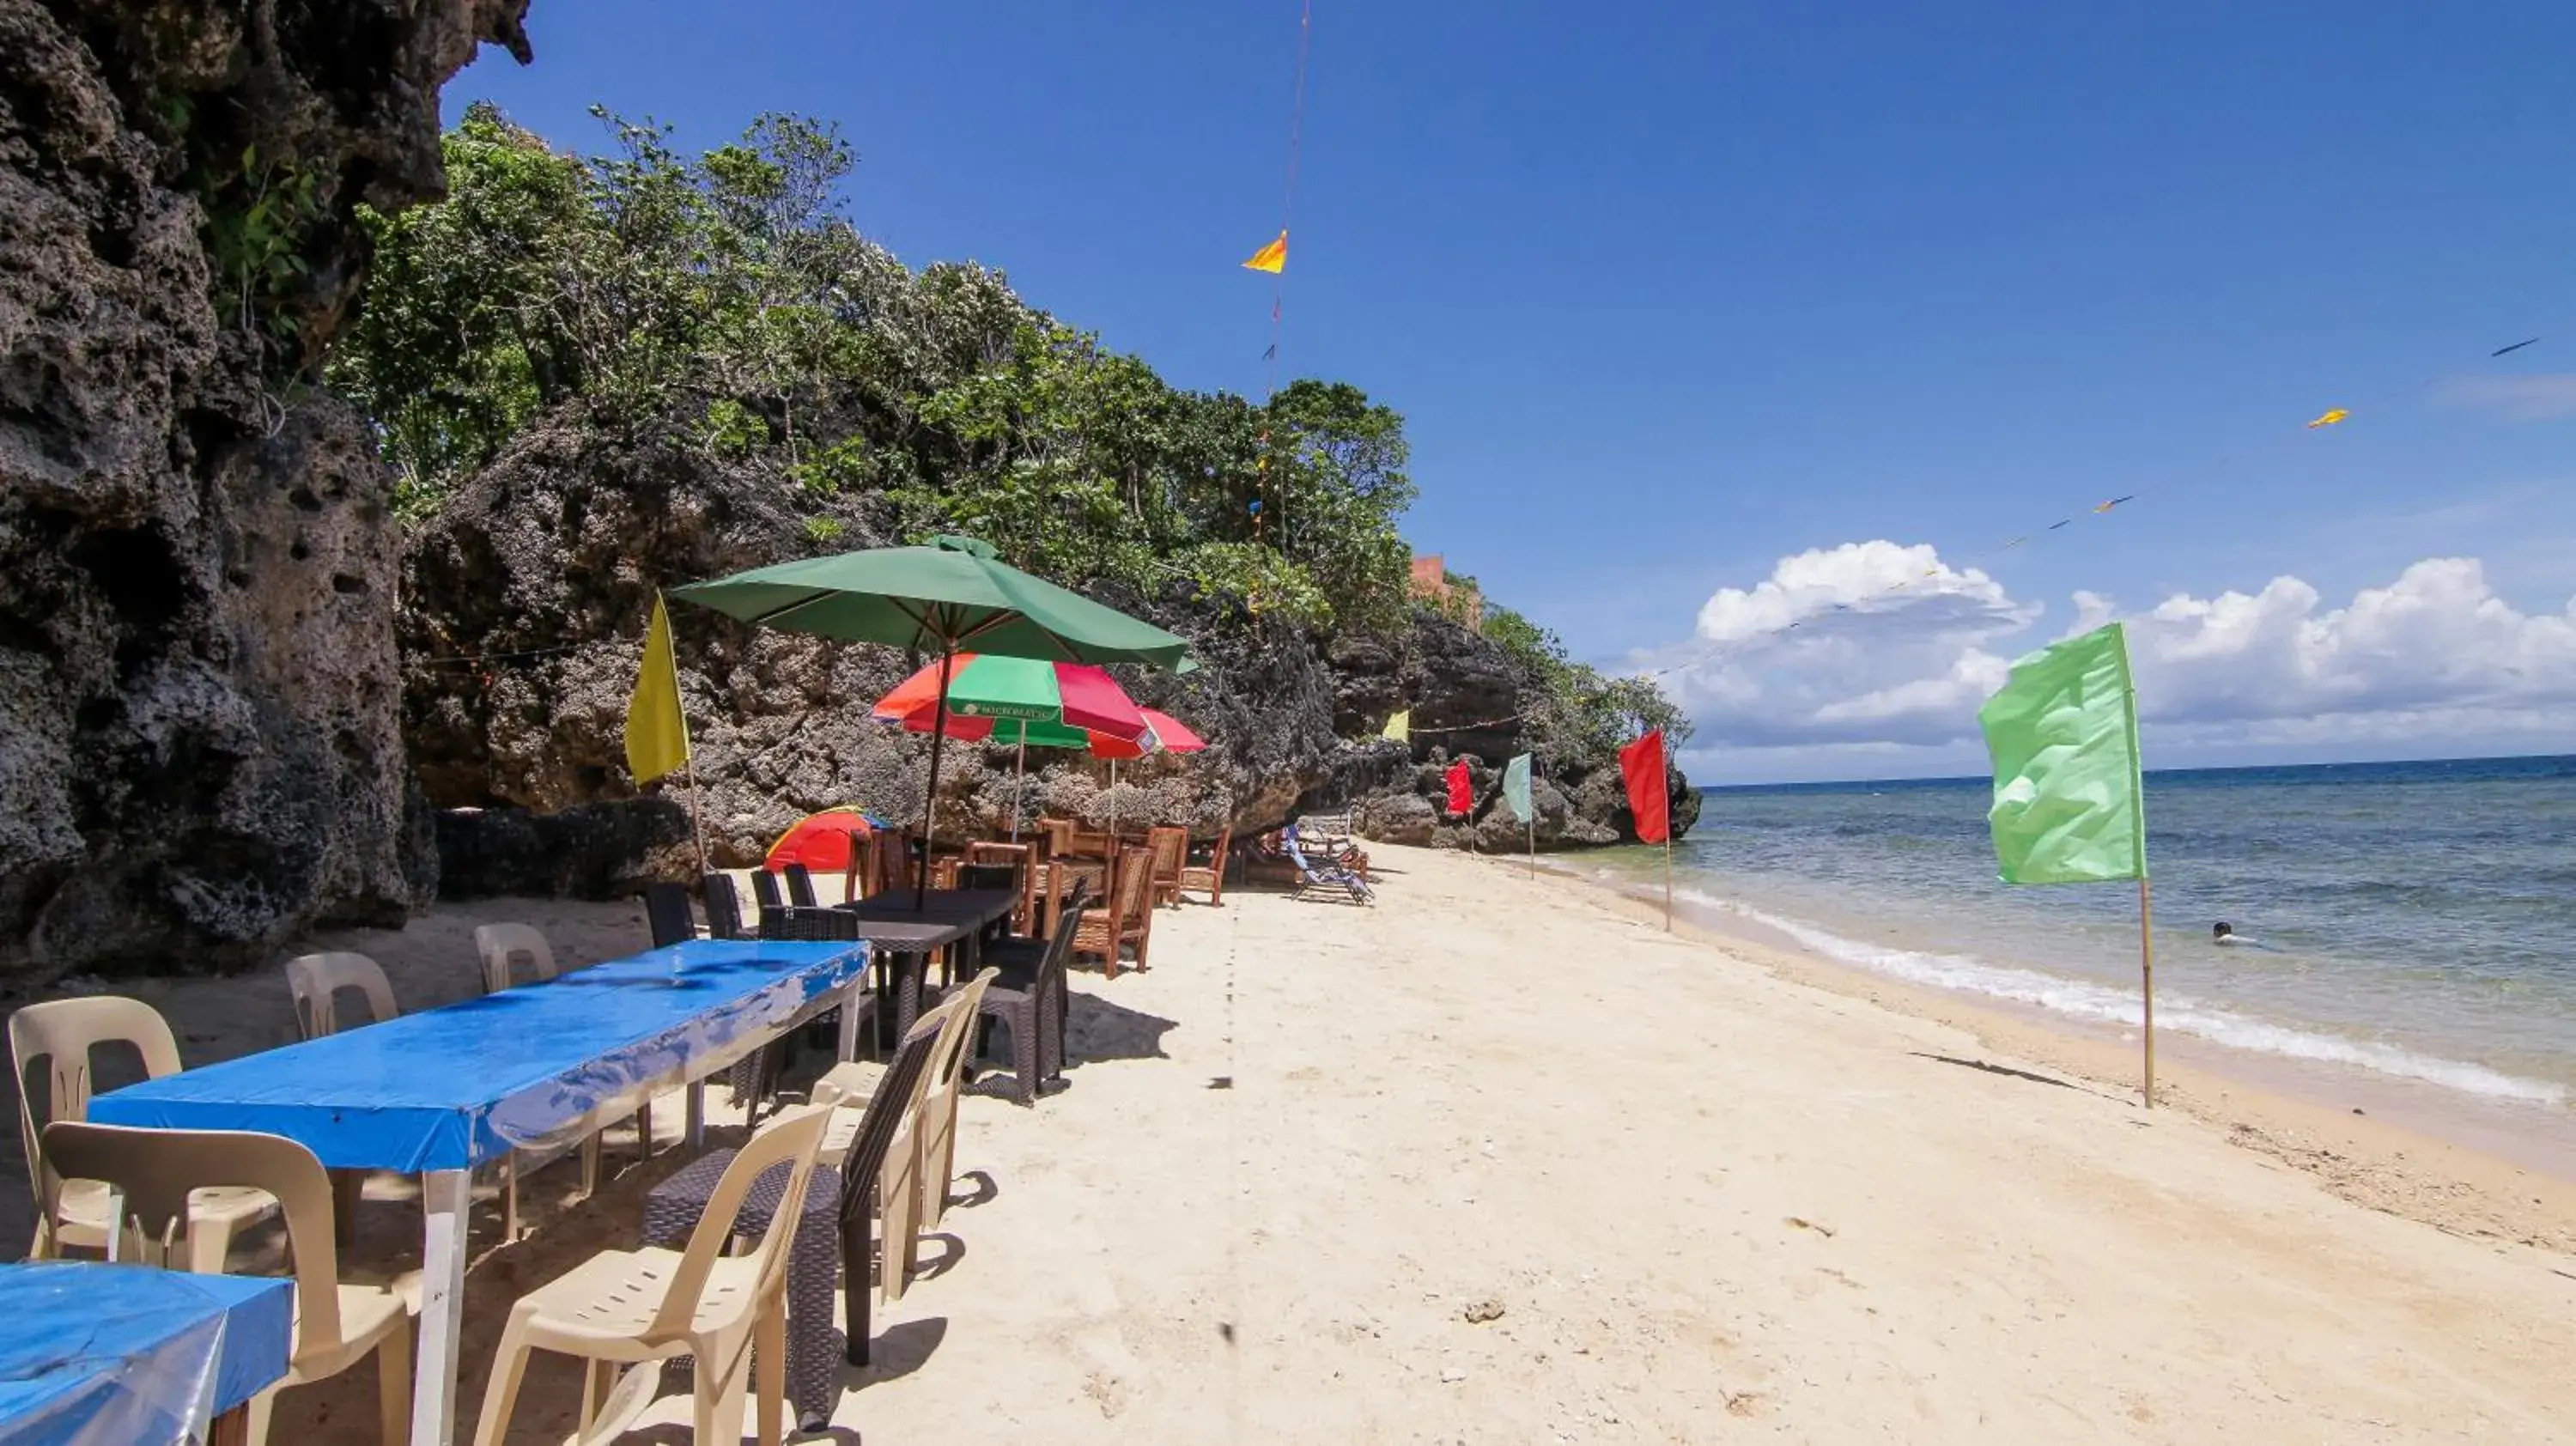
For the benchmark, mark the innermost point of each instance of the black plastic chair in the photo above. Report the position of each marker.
(666, 909)
(724, 908)
(800, 886)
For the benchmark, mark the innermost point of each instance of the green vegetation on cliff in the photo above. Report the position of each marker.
(729, 301)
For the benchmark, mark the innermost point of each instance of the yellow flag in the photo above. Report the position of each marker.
(2329, 419)
(1272, 258)
(1400, 727)
(657, 736)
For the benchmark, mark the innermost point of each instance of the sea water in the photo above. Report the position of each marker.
(2419, 918)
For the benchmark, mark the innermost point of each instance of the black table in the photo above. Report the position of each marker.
(907, 937)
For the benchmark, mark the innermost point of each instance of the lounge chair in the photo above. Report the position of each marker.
(61, 1035)
(163, 1175)
(727, 1313)
(1329, 877)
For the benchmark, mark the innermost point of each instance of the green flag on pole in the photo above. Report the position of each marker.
(2064, 735)
(1516, 788)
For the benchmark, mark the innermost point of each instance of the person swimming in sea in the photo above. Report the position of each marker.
(2224, 935)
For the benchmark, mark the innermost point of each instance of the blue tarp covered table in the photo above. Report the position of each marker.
(439, 1092)
(120, 1355)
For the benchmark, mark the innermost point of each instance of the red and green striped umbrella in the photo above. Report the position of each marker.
(1015, 700)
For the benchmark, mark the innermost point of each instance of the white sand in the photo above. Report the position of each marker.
(1712, 1202)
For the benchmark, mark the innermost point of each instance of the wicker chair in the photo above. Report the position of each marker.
(666, 910)
(1170, 847)
(1028, 998)
(1210, 877)
(800, 886)
(724, 908)
(764, 888)
(1127, 923)
(1022, 860)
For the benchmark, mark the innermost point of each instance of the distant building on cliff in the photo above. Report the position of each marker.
(1460, 598)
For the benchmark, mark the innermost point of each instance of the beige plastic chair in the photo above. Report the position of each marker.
(500, 947)
(61, 1034)
(625, 1306)
(152, 1175)
(316, 980)
(912, 1186)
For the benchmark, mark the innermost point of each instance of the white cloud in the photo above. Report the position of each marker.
(2435, 656)
(2538, 398)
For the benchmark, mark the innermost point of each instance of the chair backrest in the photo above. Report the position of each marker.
(898, 1094)
(800, 886)
(1135, 875)
(1168, 843)
(764, 887)
(666, 911)
(1288, 846)
(314, 981)
(793, 1137)
(724, 907)
(988, 876)
(152, 1173)
(502, 944)
(1059, 946)
(62, 1032)
(786, 922)
(948, 1062)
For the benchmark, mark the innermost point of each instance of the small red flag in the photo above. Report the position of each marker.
(1641, 765)
(1462, 796)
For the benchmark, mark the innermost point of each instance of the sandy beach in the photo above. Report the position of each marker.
(1502, 1160)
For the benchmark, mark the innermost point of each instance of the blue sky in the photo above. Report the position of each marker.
(1672, 292)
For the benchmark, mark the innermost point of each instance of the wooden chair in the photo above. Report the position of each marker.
(1170, 847)
(152, 1175)
(60, 1035)
(501, 947)
(627, 1306)
(1210, 877)
(1127, 922)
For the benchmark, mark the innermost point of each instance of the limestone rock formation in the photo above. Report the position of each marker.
(199, 743)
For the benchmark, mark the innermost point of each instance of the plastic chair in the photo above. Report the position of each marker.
(889, 1134)
(1210, 877)
(666, 912)
(154, 1173)
(501, 946)
(316, 980)
(1126, 922)
(951, 1070)
(727, 1312)
(61, 1034)
(724, 908)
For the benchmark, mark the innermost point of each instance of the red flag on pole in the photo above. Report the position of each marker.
(1462, 796)
(1641, 764)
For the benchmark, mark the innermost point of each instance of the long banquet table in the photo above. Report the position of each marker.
(109, 1355)
(439, 1092)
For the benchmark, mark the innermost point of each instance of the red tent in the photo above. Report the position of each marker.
(823, 842)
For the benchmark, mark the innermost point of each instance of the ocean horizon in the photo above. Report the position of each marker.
(2416, 919)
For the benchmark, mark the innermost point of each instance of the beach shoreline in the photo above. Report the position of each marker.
(2493, 1169)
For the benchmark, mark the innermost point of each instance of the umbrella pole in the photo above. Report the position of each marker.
(1019, 778)
(930, 800)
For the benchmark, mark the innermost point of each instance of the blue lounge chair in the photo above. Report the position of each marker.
(1329, 877)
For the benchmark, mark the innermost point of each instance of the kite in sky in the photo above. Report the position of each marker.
(1272, 258)
(2329, 419)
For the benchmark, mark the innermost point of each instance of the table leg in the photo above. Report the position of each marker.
(697, 1115)
(850, 1002)
(232, 1428)
(445, 1199)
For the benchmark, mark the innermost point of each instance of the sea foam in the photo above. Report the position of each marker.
(2079, 999)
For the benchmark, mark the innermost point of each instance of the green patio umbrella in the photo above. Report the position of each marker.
(954, 595)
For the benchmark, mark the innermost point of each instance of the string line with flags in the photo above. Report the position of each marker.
(2070, 794)
(657, 731)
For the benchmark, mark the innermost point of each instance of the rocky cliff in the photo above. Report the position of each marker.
(526, 598)
(199, 707)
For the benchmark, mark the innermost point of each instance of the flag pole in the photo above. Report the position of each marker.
(2147, 981)
(1668, 877)
(697, 827)
(1019, 780)
(1532, 825)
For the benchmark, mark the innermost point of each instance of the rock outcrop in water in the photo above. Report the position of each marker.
(199, 706)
